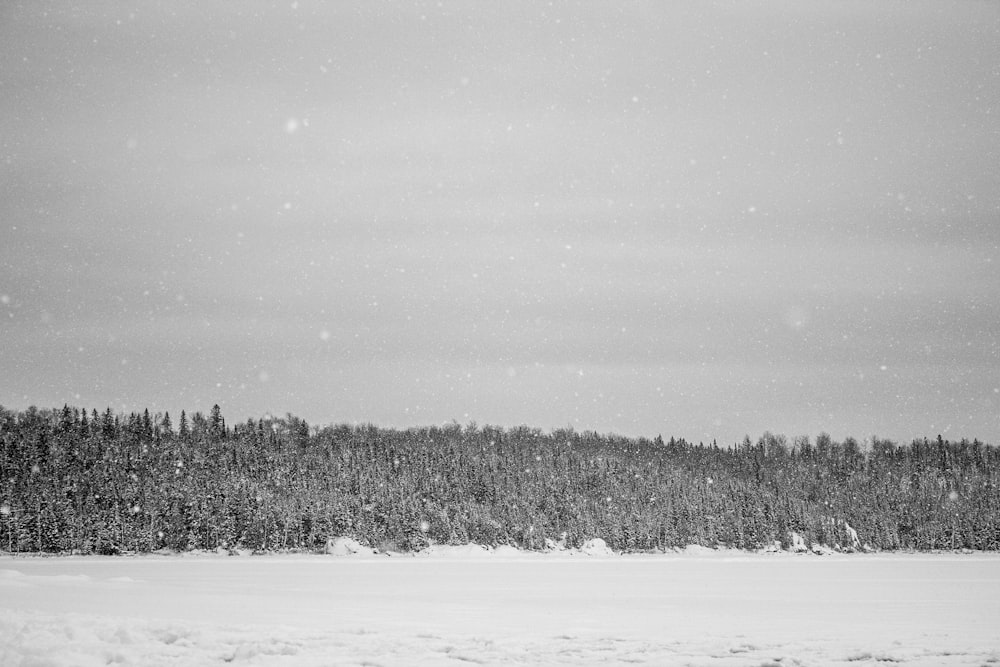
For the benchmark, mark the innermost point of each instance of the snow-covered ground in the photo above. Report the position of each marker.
(466, 605)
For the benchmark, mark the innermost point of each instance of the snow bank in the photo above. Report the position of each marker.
(596, 547)
(346, 546)
(798, 544)
(698, 550)
(554, 549)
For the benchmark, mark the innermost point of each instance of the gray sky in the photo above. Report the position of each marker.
(697, 219)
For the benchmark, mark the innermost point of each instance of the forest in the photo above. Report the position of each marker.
(107, 483)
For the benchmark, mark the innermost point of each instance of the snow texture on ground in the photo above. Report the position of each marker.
(467, 605)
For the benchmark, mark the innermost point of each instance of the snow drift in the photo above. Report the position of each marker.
(698, 607)
(346, 546)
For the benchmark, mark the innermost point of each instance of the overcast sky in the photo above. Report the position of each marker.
(695, 219)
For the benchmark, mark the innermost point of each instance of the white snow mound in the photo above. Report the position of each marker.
(346, 546)
(698, 550)
(596, 547)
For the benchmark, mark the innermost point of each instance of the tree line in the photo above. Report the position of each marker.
(107, 483)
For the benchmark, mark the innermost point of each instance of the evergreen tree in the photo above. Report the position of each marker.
(277, 483)
(216, 425)
(108, 425)
(66, 421)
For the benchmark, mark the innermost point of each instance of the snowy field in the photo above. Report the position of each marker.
(457, 607)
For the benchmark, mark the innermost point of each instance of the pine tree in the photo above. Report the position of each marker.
(216, 425)
(66, 421)
(108, 425)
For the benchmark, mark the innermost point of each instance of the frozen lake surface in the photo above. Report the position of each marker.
(699, 609)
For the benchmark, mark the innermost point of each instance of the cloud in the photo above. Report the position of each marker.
(732, 197)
